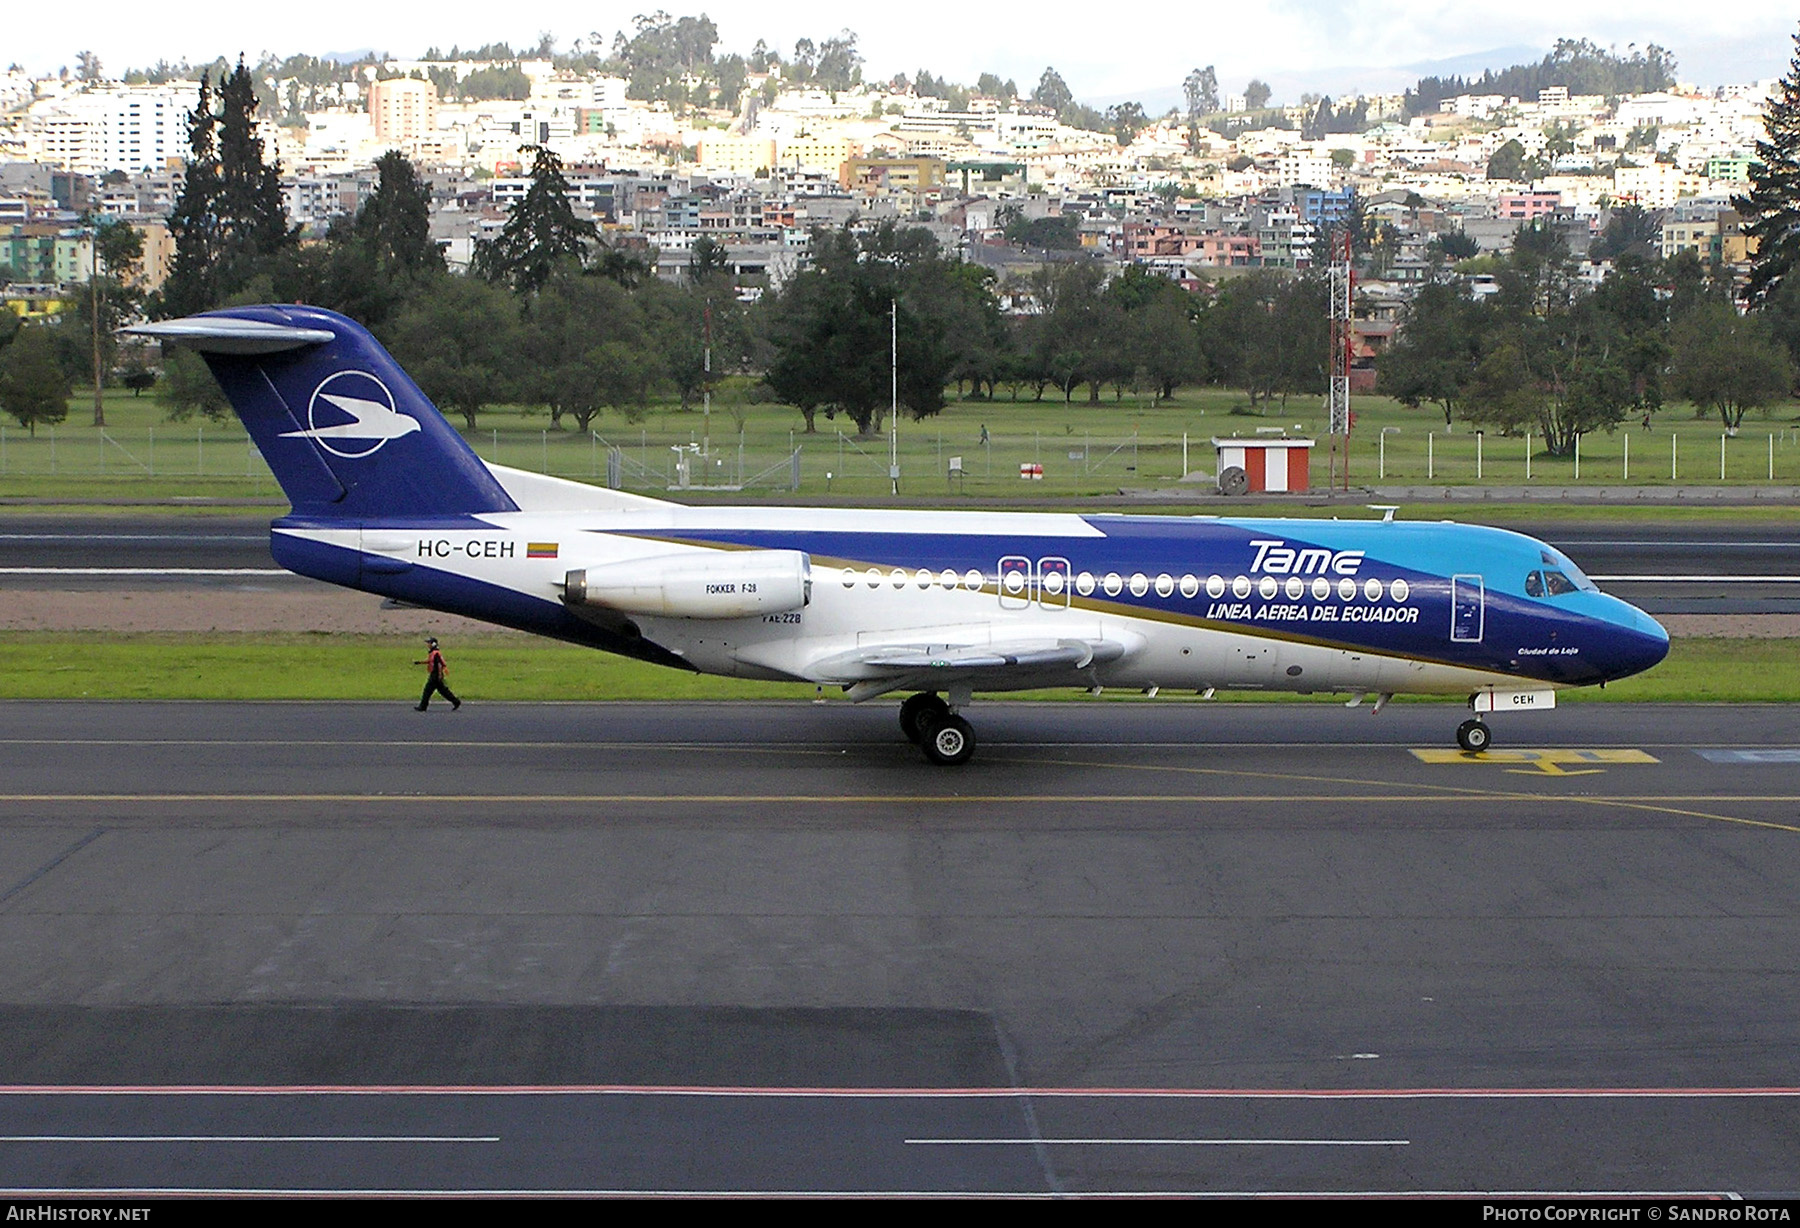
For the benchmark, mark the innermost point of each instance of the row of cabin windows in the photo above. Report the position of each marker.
(1085, 583)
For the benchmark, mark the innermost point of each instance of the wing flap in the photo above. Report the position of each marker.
(879, 669)
(1064, 654)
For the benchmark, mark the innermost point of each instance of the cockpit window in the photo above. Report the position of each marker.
(1557, 584)
(1534, 584)
(1570, 574)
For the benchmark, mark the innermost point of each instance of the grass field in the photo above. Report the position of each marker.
(1085, 449)
(43, 665)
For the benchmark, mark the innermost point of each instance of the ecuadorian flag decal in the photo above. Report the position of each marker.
(540, 550)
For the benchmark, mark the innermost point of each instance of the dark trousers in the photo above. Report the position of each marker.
(436, 683)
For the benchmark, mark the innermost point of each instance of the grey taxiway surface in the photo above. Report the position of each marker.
(1133, 948)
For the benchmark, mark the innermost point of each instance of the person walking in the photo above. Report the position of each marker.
(438, 670)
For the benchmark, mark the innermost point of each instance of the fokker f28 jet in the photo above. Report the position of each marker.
(389, 499)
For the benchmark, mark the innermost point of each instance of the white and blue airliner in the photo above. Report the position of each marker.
(389, 499)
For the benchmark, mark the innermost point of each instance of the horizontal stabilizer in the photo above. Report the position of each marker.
(346, 432)
(229, 335)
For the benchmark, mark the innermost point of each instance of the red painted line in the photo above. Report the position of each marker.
(1147, 1093)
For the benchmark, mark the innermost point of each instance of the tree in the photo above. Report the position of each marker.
(1053, 92)
(1201, 90)
(1059, 233)
(1159, 339)
(707, 259)
(459, 342)
(88, 69)
(109, 299)
(137, 374)
(586, 348)
(394, 224)
(1269, 334)
(230, 220)
(1437, 351)
(830, 328)
(33, 387)
(1256, 95)
(680, 319)
(1508, 161)
(839, 66)
(1454, 245)
(541, 231)
(1771, 208)
(1727, 362)
(372, 265)
(1629, 228)
(189, 388)
(663, 51)
(959, 298)
(1560, 362)
(1127, 119)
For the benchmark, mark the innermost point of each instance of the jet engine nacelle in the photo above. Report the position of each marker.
(715, 584)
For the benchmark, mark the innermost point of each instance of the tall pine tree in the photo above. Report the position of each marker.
(1771, 209)
(394, 224)
(541, 231)
(230, 219)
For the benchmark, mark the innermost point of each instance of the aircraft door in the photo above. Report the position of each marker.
(1468, 609)
(1015, 582)
(1054, 582)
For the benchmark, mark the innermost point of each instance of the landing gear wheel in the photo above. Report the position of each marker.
(915, 710)
(1473, 736)
(948, 740)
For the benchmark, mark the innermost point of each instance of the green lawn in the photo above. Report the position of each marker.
(1085, 449)
(44, 665)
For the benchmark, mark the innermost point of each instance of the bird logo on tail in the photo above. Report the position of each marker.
(370, 406)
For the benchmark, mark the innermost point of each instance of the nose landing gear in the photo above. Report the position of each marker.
(1473, 735)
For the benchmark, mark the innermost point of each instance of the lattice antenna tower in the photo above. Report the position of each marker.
(1343, 288)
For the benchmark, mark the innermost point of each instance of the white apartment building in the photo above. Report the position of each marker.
(1657, 186)
(1306, 164)
(599, 93)
(127, 128)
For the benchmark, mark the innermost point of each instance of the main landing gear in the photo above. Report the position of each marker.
(928, 723)
(1473, 736)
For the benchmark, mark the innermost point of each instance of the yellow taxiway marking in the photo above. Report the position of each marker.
(1551, 762)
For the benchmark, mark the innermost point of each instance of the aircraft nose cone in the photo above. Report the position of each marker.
(1641, 643)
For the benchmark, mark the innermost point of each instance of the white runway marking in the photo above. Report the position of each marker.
(144, 571)
(1159, 1142)
(248, 1138)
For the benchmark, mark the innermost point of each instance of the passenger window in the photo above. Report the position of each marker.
(1558, 584)
(1534, 584)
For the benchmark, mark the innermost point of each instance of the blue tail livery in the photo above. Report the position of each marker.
(389, 499)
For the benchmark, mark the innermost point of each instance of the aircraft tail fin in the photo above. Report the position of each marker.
(346, 432)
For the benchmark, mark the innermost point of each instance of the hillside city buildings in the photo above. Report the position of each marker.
(1188, 202)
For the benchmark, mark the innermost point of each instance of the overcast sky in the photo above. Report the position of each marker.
(1104, 51)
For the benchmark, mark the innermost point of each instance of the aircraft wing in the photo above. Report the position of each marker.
(877, 669)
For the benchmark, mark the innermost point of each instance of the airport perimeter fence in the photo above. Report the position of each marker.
(1696, 454)
(651, 461)
(937, 460)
